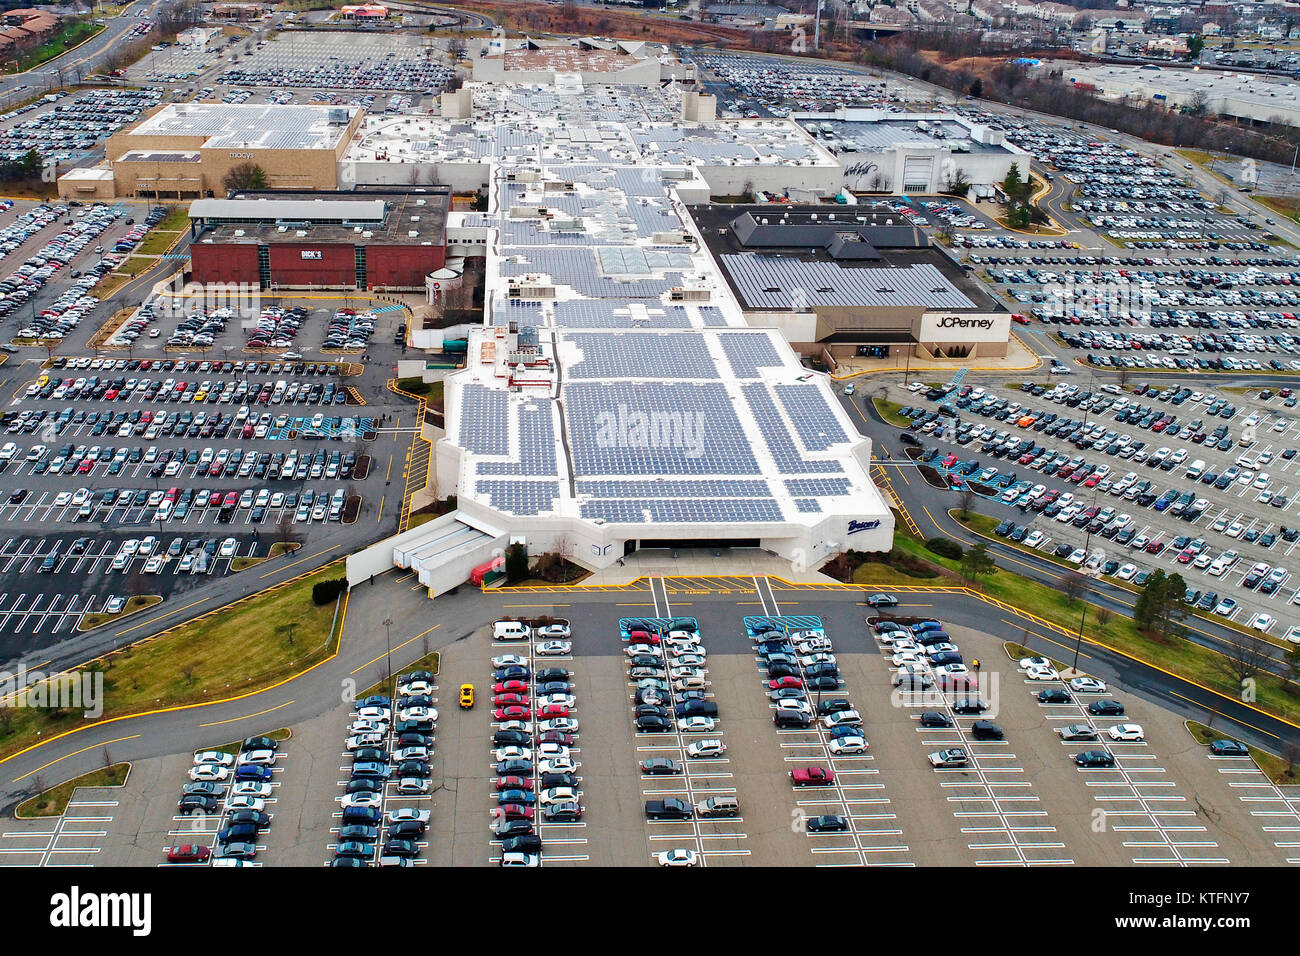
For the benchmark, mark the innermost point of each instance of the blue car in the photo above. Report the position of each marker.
(252, 771)
(375, 700)
(524, 797)
(354, 849)
(513, 672)
(369, 768)
(359, 833)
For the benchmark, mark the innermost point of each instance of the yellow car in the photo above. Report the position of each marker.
(466, 696)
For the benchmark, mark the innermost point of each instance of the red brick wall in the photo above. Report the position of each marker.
(236, 262)
(402, 265)
(335, 267)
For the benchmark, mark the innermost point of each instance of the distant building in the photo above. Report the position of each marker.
(26, 29)
(367, 11)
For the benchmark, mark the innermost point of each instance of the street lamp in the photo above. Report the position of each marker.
(388, 654)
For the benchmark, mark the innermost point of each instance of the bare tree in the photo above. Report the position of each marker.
(1241, 660)
(1072, 585)
(1104, 616)
(967, 499)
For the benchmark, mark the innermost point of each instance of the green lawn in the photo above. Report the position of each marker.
(1280, 771)
(73, 33)
(52, 802)
(889, 411)
(161, 236)
(234, 651)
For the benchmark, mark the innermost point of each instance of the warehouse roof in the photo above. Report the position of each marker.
(260, 209)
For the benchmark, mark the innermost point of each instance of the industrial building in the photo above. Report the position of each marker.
(186, 150)
(377, 240)
(845, 283)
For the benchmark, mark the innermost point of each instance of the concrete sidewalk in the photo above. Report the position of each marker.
(698, 562)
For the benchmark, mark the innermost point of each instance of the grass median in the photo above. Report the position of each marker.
(233, 651)
(889, 411)
(1280, 770)
(52, 802)
(1177, 656)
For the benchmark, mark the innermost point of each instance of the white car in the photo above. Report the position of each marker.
(706, 748)
(696, 725)
(558, 765)
(374, 712)
(214, 756)
(251, 803)
(554, 648)
(553, 631)
(418, 713)
(634, 650)
(408, 815)
(509, 660)
(368, 725)
(1028, 662)
(842, 717)
(1125, 732)
(512, 753)
(844, 746)
(562, 700)
(250, 788)
(209, 771)
(1042, 672)
(568, 725)
(262, 758)
(364, 798)
(951, 670)
(552, 752)
(411, 688)
(677, 857)
(557, 795)
(903, 658)
(1262, 622)
(1088, 685)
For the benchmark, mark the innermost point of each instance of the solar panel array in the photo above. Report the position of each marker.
(777, 435)
(655, 428)
(698, 488)
(747, 352)
(812, 418)
(577, 267)
(536, 444)
(820, 487)
(807, 505)
(712, 315)
(684, 510)
(520, 497)
(641, 355)
(782, 282)
(482, 421)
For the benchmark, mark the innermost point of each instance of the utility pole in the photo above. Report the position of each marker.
(817, 27)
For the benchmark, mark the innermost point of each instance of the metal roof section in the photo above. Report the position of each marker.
(262, 210)
(245, 126)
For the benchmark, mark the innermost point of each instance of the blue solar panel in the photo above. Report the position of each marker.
(748, 352)
(641, 355)
(807, 505)
(482, 420)
(813, 419)
(536, 444)
(821, 487)
(520, 497)
(655, 428)
(668, 488)
(775, 433)
(687, 510)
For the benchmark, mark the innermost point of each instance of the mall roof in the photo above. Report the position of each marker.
(249, 126)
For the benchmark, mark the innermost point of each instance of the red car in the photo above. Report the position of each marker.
(508, 700)
(950, 461)
(514, 783)
(1092, 481)
(552, 710)
(642, 637)
(783, 682)
(511, 687)
(556, 737)
(812, 777)
(1187, 556)
(512, 713)
(188, 853)
(513, 811)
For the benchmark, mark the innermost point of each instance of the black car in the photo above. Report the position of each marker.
(239, 833)
(652, 724)
(406, 830)
(1106, 708)
(1229, 748)
(832, 705)
(1095, 758)
(400, 848)
(696, 708)
(934, 718)
(970, 705)
(255, 817)
(1054, 695)
(827, 823)
(660, 765)
(986, 730)
(195, 803)
(512, 828)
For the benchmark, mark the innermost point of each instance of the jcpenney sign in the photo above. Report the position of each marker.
(944, 327)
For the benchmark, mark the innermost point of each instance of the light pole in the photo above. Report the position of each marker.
(388, 643)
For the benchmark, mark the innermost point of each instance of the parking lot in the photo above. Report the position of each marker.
(1226, 516)
(66, 127)
(1016, 801)
(122, 476)
(340, 61)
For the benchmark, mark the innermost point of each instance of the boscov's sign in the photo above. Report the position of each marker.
(944, 327)
(856, 526)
